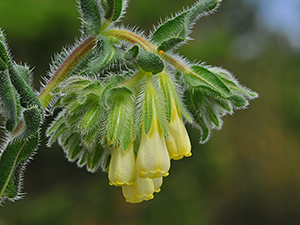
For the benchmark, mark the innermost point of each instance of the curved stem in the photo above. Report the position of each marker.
(134, 38)
(45, 96)
(130, 37)
(65, 69)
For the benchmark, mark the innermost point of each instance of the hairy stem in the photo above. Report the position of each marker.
(130, 37)
(65, 69)
(45, 96)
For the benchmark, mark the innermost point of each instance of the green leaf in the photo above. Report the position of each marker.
(113, 9)
(91, 15)
(12, 162)
(171, 33)
(4, 56)
(27, 96)
(33, 121)
(174, 31)
(24, 72)
(105, 54)
(206, 79)
(9, 101)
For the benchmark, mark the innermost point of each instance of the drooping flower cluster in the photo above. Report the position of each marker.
(140, 130)
(128, 122)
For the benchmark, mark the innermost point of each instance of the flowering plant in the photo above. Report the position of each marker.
(122, 99)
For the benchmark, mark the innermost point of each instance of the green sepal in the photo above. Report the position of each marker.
(152, 107)
(146, 61)
(148, 110)
(94, 88)
(91, 117)
(9, 101)
(12, 162)
(91, 137)
(111, 88)
(91, 15)
(120, 119)
(94, 157)
(72, 146)
(113, 9)
(175, 31)
(62, 129)
(203, 78)
(194, 100)
(55, 125)
(105, 54)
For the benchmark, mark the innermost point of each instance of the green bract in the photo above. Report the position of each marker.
(121, 101)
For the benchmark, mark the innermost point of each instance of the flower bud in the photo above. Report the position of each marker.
(178, 142)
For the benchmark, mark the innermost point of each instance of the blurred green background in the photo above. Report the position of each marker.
(248, 173)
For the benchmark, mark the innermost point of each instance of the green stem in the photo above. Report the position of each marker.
(45, 96)
(134, 38)
(134, 80)
(130, 37)
(65, 69)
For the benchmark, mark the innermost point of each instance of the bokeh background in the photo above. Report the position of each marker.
(248, 173)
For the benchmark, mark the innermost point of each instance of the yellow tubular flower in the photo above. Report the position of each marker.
(178, 142)
(142, 189)
(153, 159)
(122, 167)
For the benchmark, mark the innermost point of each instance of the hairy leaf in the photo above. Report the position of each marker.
(9, 100)
(113, 9)
(105, 54)
(12, 161)
(91, 15)
(175, 31)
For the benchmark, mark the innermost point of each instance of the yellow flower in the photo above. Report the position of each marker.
(122, 167)
(178, 142)
(141, 190)
(153, 159)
